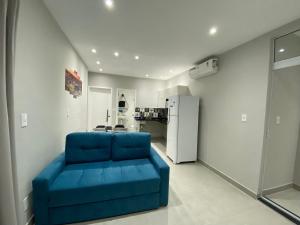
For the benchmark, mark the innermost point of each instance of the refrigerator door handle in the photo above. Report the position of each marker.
(168, 121)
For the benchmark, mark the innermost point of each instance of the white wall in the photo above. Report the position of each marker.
(227, 144)
(147, 90)
(42, 55)
(241, 86)
(283, 141)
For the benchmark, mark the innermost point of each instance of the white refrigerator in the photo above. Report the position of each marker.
(182, 133)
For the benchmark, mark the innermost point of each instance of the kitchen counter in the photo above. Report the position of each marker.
(161, 120)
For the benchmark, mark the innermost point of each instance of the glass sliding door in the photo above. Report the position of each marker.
(281, 175)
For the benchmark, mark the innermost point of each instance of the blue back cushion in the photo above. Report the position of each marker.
(131, 145)
(84, 147)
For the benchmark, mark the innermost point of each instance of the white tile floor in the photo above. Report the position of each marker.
(289, 199)
(200, 197)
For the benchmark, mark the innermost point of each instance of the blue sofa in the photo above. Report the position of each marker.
(100, 175)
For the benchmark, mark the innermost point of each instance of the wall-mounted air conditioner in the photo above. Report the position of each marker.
(204, 69)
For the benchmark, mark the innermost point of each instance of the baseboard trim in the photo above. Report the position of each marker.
(277, 189)
(230, 180)
(297, 187)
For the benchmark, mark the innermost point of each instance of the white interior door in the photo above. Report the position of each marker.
(99, 107)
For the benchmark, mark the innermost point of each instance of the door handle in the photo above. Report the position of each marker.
(107, 116)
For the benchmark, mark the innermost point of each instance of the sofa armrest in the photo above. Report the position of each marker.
(164, 170)
(40, 186)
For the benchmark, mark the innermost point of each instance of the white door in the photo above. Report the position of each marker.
(99, 107)
(172, 138)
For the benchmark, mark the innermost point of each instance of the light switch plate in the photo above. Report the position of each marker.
(278, 120)
(244, 118)
(24, 120)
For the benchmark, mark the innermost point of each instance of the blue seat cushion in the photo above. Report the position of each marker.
(131, 145)
(88, 147)
(100, 181)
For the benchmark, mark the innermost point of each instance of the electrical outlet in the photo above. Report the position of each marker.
(278, 120)
(24, 120)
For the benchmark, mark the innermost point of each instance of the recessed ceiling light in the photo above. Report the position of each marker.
(100, 69)
(109, 3)
(94, 50)
(147, 75)
(136, 57)
(116, 54)
(98, 62)
(281, 50)
(213, 30)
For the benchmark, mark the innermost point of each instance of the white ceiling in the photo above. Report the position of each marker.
(166, 34)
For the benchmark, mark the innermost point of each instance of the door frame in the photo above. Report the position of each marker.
(88, 102)
(273, 66)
